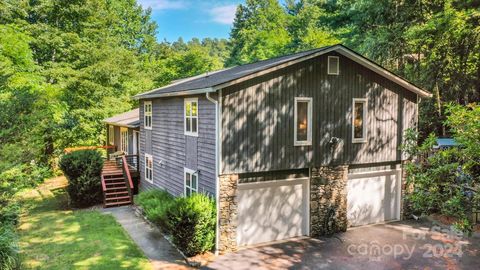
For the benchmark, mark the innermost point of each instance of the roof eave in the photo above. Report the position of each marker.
(120, 125)
(383, 72)
(175, 94)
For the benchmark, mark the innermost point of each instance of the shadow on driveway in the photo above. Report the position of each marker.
(397, 245)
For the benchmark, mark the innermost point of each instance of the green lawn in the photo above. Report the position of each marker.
(54, 237)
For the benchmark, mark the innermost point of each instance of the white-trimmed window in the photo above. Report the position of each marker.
(147, 114)
(124, 140)
(191, 182)
(359, 120)
(111, 135)
(148, 168)
(333, 65)
(303, 121)
(191, 116)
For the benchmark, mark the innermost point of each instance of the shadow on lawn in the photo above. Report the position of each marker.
(55, 237)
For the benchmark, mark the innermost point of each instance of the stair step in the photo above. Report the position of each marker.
(117, 203)
(116, 185)
(117, 198)
(115, 193)
(113, 178)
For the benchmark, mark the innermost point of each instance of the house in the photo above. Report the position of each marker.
(304, 144)
(120, 174)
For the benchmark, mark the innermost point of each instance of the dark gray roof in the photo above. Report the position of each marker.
(217, 79)
(225, 75)
(127, 119)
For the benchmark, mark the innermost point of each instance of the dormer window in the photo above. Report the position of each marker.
(333, 65)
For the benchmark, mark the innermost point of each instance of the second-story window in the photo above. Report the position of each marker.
(147, 111)
(303, 121)
(191, 116)
(359, 119)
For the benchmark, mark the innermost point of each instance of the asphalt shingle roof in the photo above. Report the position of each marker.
(126, 119)
(225, 75)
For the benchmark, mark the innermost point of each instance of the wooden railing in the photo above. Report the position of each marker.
(127, 177)
(73, 149)
(104, 187)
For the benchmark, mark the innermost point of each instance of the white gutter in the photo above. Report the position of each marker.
(217, 175)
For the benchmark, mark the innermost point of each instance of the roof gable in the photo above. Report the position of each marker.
(211, 82)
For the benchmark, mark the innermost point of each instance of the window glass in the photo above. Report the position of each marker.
(302, 121)
(191, 117)
(358, 120)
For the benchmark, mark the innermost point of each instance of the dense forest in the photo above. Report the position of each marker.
(66, 65)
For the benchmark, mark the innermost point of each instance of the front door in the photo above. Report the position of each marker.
(124, 140)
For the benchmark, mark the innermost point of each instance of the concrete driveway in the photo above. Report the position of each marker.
(398, 245)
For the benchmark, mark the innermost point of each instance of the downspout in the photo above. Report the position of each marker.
(217, 175)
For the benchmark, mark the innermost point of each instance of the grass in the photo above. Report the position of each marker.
(52, 236)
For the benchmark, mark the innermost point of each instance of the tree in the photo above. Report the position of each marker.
(259, 32)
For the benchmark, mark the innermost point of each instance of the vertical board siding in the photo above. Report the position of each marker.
(172, 150)
(257, 118)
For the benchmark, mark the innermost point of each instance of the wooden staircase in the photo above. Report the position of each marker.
(116, 183)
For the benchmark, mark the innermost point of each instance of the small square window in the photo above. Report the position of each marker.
(333, 65)
(191, 182)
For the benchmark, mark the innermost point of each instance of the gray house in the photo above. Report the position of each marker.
(305, 144)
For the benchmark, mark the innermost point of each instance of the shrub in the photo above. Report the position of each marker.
(83, 169)
(9, 258)
(155, 204)
(194, 220)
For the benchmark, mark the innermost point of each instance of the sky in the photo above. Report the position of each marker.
(192, 18)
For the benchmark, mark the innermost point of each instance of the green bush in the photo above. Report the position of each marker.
(9, 258)
(155, 204)
(194, 220)
(190, 220)
(83, 170)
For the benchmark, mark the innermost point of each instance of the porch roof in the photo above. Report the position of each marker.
(127, 119)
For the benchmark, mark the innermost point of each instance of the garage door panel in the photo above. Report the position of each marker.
(373, 197)
(271, 211)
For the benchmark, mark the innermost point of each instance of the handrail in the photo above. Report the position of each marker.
(73, 149)
(104, 187)
(127, 171)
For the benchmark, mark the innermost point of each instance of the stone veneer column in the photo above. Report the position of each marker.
(328, 200)
(228, 213)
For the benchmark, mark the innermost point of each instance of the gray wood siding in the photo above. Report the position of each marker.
(172, 150)
(258, 124)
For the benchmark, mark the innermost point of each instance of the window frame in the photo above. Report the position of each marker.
(191, 172)
(111, 135)
(124, 140)
(147, 114)
(308, 142)
(148, 156)
(364, 101)
(338, 65)
(190, 133)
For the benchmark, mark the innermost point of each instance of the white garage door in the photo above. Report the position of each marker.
(373, 197)
(274, 210)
